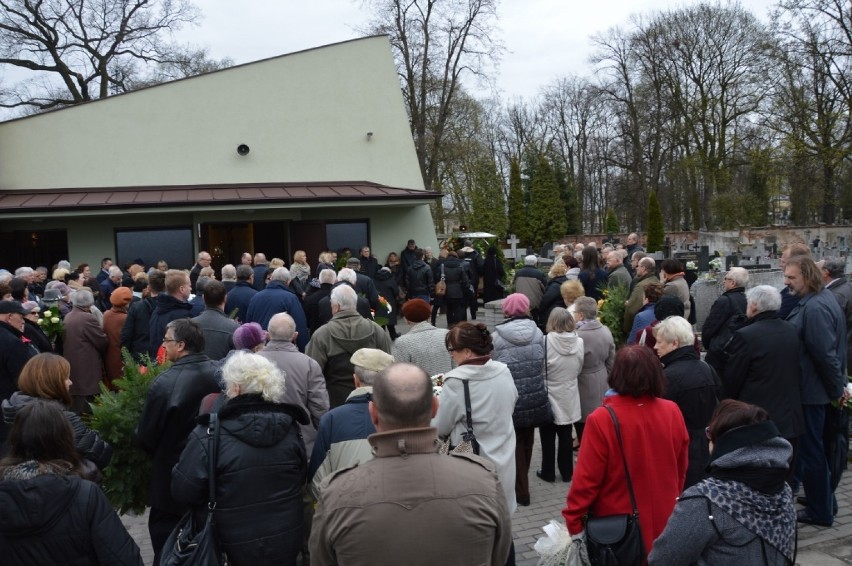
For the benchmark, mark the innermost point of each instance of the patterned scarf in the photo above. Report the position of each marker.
(769, 516)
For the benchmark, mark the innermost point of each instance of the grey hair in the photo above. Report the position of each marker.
(63, 264)
(835, 267)
(327, 276)
(115, 270)
(253, 373)
(647, 262)
(739, 275)
(244, 272)
(345, 297)
(675, 328)
(23, 272)
(281, 274)
(764, 298)
(347, 274)
(82, 298)
(229, 272)
(586, 306)
(530, 260)
(281, 327)
(560, 320)
(202, 283)
(365, 376)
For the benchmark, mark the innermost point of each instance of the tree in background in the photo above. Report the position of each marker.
(436, 44)
(546, 218)
(517, 211)
(488, 205)
(611, 226)
(82, 50)
(656, 232)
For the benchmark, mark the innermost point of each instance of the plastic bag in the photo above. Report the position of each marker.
(558, 548)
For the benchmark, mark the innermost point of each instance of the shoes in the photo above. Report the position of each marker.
(802, 500)
(540, 476)
(523, 502)
(804, 517)
(567, 479)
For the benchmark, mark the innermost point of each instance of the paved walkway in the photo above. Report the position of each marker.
(817, 546)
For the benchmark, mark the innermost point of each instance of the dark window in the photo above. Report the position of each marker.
(174, 245)
(352, 235)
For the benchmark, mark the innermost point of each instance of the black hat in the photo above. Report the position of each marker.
(9, 307)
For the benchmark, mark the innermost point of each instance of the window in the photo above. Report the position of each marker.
(352, 235)
(174, 245)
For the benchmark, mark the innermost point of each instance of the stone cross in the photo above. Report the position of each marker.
(513, 241)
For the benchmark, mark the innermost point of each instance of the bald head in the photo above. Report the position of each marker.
(402, 398)
(282, 327)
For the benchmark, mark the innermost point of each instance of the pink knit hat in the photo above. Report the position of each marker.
(516, 304)
(249, 335)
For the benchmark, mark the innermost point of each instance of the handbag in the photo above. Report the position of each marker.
(187, 545)
(616, 540)
(469, 444)
(441, 286)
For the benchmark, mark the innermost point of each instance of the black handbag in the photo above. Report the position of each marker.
(188, 545)
(616, 540)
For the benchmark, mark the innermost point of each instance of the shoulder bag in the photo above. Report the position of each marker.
(441, 286)
(186, 545)
(616, 540)
(469, 443)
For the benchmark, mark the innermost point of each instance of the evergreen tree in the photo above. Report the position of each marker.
(546, 213)
(568, 194)
(656, 232)
(611, 226)
(487, 203)
(517, 214)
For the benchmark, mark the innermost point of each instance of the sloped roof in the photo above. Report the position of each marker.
(51, 200)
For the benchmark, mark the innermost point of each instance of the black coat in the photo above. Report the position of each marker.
(37, 336)
(551, 299)
(388, 288)
(455, 275)
(492, 272)
(842, 291)
(61, 520)
(696, 389)
(763, 369)
(168, 417)
(261, 470)
(362, 306)
(168, 309)
(369, 266)
(312, 302)
(88, 442)
(14, 354)
(730, 303)
(419, 280)
(135, 333)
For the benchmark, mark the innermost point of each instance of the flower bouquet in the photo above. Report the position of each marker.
(51, 324)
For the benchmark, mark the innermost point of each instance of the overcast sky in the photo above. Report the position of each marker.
(544, 39)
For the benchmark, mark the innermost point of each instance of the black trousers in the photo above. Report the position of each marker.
(553, 457)
(160, 525)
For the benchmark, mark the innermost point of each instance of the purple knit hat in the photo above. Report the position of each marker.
(248, 336)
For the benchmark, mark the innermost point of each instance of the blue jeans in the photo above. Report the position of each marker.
(813, 465)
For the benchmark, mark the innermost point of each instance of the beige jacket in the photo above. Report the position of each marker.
(413, 506)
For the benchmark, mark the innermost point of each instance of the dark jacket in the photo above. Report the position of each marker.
(695, 387)
(519, 344)
(388, 288)
(260, 276)
(88, 442)
(218, 332)
(492, 273)
(455, 276)
(324, 307)
(730, 303)
(763, 369)
(312, 302)
(37, 337)
(593, 283)
(239, 298)
(843, 293)
(14, 354)
(168, 309)
(821, 327)
(369, 266)
(350, 421)
(61, 520)
(552, 298)
(276, 298)
(84, 345)
(365, 287)
(261, 470)
(419, 280)
(168, 417)
(135, 334)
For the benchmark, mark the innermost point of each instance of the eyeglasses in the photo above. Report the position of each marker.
(171, 340)
(450, 349)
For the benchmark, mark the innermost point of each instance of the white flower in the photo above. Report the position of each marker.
(54, 320)
(41, 321)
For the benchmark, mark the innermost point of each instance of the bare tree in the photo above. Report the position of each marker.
(81, 50)
(437, 43)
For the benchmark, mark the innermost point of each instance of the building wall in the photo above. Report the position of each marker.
(305, 117)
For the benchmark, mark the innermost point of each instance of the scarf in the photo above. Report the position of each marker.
(300, 271)
(30, 469)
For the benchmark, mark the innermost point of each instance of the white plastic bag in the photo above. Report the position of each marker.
(557, 548)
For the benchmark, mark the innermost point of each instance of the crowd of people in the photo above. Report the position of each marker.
(329, 424)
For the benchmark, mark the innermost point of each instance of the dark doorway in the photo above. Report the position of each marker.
(32, 248)
(226, 242)
(310, 237)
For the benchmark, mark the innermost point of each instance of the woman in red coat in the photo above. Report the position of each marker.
(655, 444)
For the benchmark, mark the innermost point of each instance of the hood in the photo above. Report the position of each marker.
(167, 303)
(257, 422)
(488, 370)
(13, 404)
(382, 275)
(350, 329)
(518, 331)
(564, 343)
(33, 505)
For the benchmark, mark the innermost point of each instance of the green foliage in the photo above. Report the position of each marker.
(488, 205)
(731, 210)
(611, 311)
(115, 416)
(611, 225)
(546, 218)
(656, 233)
(570, 200)
(517, 214)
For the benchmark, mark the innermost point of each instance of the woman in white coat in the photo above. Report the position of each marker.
(564, 359)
